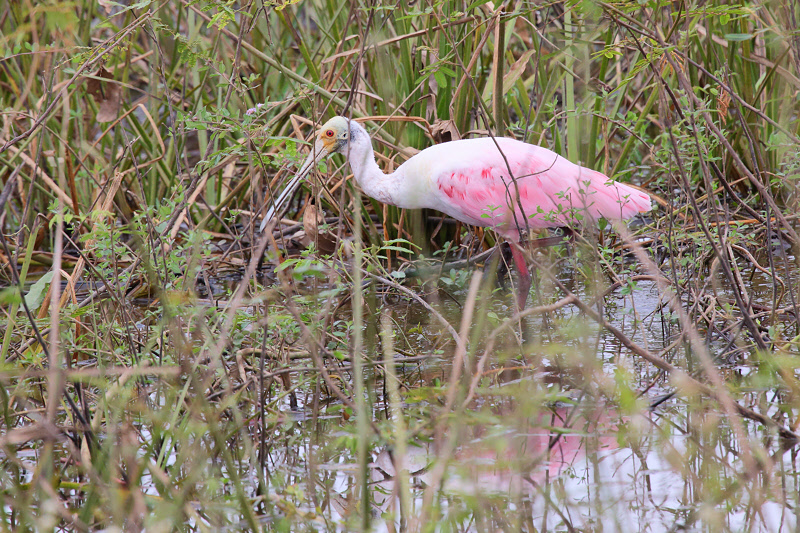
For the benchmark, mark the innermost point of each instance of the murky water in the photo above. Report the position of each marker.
(541, 447)
(566, 430)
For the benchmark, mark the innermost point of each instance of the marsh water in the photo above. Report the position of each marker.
(545, 445)
(566, 430)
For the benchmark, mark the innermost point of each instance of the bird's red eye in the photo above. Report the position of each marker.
(329, 133)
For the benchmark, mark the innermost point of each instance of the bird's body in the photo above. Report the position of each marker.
(502, 183)
(531, 188)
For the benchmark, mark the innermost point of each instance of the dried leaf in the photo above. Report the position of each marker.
(324, 239)
(723, 102)
(666, 67)
(444, 131)
(516, 70)
(108, 95)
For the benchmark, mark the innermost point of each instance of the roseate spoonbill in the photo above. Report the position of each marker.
(501, 183)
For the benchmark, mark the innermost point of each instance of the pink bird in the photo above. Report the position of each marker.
(501, 183)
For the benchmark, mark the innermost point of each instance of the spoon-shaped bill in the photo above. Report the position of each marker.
(319, 151)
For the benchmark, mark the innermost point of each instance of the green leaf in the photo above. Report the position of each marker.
(441, 79)
(35, 296)
(628, 288)
(473, 5)
(138, 5)
(400, 240)
(447, 71)
(397, 249)
(738, 36)
(9, 295)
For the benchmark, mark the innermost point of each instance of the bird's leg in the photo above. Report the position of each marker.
(506, 258)
(568, 238)
(497, 265)
(524, 275)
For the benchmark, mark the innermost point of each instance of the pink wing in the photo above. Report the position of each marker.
(546, 190)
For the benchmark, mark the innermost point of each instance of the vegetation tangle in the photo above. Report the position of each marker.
(167, 366)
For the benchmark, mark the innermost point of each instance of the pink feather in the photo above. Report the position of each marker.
(472, 183)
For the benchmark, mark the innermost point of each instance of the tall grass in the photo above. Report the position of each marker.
(165, 366)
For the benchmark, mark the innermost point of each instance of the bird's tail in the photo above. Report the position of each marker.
(615, 200)
(637, 201)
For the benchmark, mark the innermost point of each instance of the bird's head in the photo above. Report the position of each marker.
(333, 136)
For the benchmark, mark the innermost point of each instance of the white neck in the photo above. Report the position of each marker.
(383, 187)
